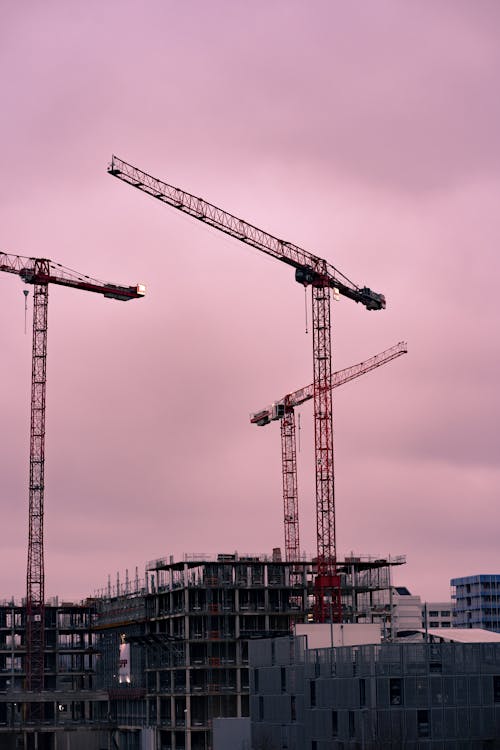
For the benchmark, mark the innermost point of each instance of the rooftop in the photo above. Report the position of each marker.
(464, 635)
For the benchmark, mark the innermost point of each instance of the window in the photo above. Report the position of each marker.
(293, 708)
(446, 624)
(434, 624)
(283, 680)
(496, 688)
(312, 692)
(395, 691)
(261, 708)
(351, 724)
(362, 692)
(433, 613)
(423, 723)
(335, 724)
(445, 613)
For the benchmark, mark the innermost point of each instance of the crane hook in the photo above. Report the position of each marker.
(25, 292)
(305, 305)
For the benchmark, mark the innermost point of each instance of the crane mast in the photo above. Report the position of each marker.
(283, 410)
(40, 272)
(290, 488)
(321, 276)
(35, 573)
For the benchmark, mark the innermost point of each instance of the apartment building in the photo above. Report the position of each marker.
(476, 602)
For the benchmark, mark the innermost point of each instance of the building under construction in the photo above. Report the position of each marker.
(149, 664)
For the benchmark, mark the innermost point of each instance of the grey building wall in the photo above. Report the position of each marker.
(231, 734)
(389, 696)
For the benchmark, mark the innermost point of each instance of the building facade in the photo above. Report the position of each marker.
(393, 695)
(437, 615)
(406, 611)
(476, 602)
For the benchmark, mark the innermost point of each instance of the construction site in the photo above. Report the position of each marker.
(150, 664)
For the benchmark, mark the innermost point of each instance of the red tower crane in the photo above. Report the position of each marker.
(321, 276)
(41, 272)
(283, 411)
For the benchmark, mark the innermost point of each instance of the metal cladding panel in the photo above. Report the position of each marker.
(310, 671)
(253, 706)
(437, 723)
(448, 690)
(296, 677)
(474, 687)
(447, 658)
(475, 721)
(319, 723)
(384, 726)
(490, 658)
(266, 735)
(415, 658)
(410, 697)
(382, 692)
(259, 653)
(230, 734)
(449, 717)
(329, 693)
(269, 681)
(343, 662)
(390, 661)
(487, 721)
(397, 727)
(423, 693)
(343, 695)
(487, 689)
(472, 657)
(496, 711)
(463, 722)
(436, 689)
(284, 653)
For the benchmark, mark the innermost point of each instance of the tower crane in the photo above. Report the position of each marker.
(283, 411)
(310, 270)
(40, 272)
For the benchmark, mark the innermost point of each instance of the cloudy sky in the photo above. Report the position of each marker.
(367, 133)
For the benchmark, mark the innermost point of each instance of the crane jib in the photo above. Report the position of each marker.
(310, 269)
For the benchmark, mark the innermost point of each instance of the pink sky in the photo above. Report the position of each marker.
(367, 133)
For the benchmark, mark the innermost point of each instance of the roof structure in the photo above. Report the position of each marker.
(463, 635)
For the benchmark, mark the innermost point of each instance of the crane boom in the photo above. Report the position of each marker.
(284, 411)
(40, 272)
(278, 408)
(322, 276)
(43, 271)
(310, 269)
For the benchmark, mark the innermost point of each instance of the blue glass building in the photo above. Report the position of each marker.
(476, 602)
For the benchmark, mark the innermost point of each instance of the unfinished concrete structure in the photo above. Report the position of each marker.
(149, 664)
(71, 699)
(189, 630)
